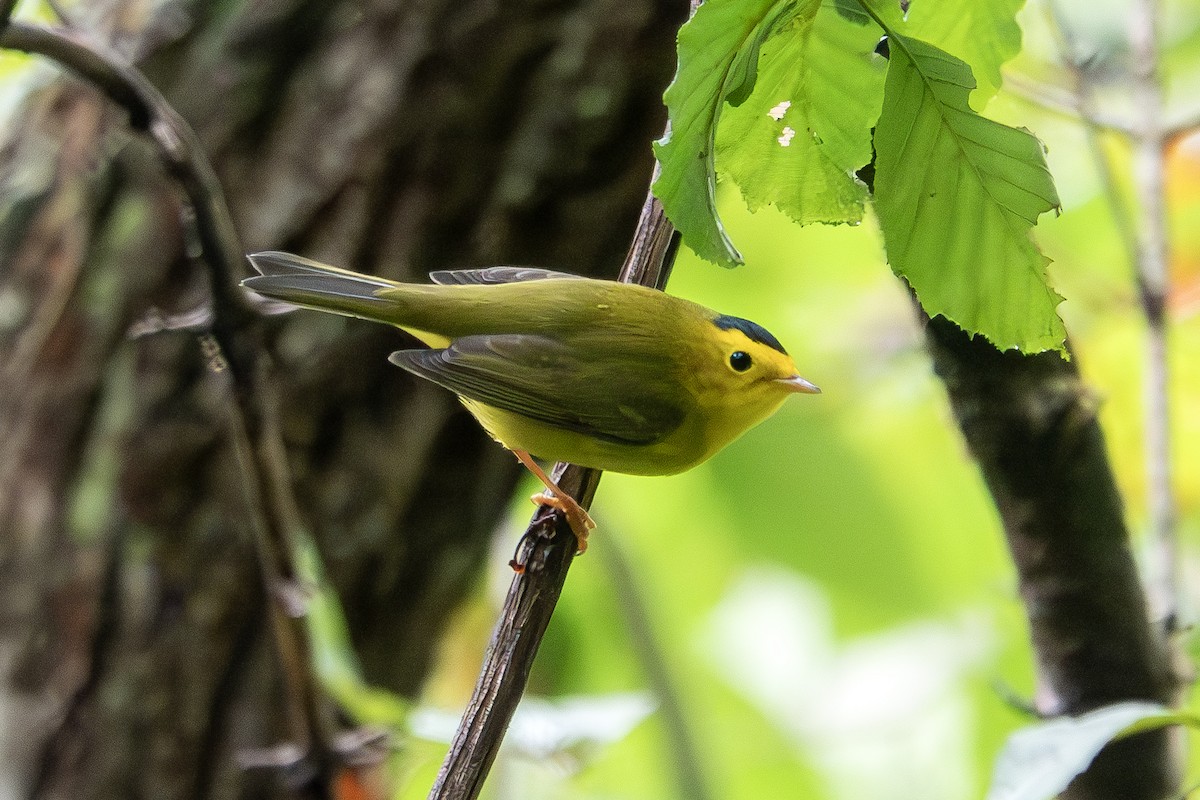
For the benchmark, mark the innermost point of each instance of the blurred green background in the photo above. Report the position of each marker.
(832, 593)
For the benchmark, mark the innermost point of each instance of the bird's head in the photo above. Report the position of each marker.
(754, 362)
(742, 378)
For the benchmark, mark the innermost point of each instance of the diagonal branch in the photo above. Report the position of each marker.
(543, 558)
(231, 346)
(541, 563)
(1031, 424)
(682, 750)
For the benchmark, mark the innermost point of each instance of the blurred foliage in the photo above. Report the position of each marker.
(832, 592)
(1042, 759)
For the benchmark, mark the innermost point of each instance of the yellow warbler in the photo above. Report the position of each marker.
(608, 375)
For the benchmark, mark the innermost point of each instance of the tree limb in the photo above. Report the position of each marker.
(1031, 424)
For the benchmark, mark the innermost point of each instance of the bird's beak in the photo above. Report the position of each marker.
(799, 385)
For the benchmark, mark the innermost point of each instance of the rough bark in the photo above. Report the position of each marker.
(1032, 426)
(393, 138)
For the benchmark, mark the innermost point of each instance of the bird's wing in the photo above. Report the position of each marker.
(552, 382)
(490, 275)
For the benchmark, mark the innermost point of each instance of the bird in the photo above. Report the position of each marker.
(608, 375)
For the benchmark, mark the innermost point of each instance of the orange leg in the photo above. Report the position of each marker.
(578, 518)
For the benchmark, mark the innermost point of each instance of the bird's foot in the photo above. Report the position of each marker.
(578, 518)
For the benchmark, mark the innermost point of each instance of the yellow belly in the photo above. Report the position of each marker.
(683, 449)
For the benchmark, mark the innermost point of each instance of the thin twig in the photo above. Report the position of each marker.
(1065, 103)
(234, 344)
(1084, 105)
(1184, 126)
(1144, 235)
(544, 556)
(689, 766)
(1149, 174)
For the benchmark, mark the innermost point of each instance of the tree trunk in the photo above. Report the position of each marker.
(391, 138)
(1032, 426)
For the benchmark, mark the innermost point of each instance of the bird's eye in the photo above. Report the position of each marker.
(740, 361)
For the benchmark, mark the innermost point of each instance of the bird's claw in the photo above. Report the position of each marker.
(577, 517)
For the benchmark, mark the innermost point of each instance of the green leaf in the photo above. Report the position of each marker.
(798, 138)
(957, 196)
(743, 69)
(845, 85)
(851, 10)
(983, 33)
(718, 55)
(1039, 761)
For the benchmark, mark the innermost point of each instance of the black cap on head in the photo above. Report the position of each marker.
(754, 332)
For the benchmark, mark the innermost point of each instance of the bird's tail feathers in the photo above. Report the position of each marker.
(304, 282)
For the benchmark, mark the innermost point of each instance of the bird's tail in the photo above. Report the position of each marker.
(304, 282)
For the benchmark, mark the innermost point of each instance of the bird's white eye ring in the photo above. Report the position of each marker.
(740, 361)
